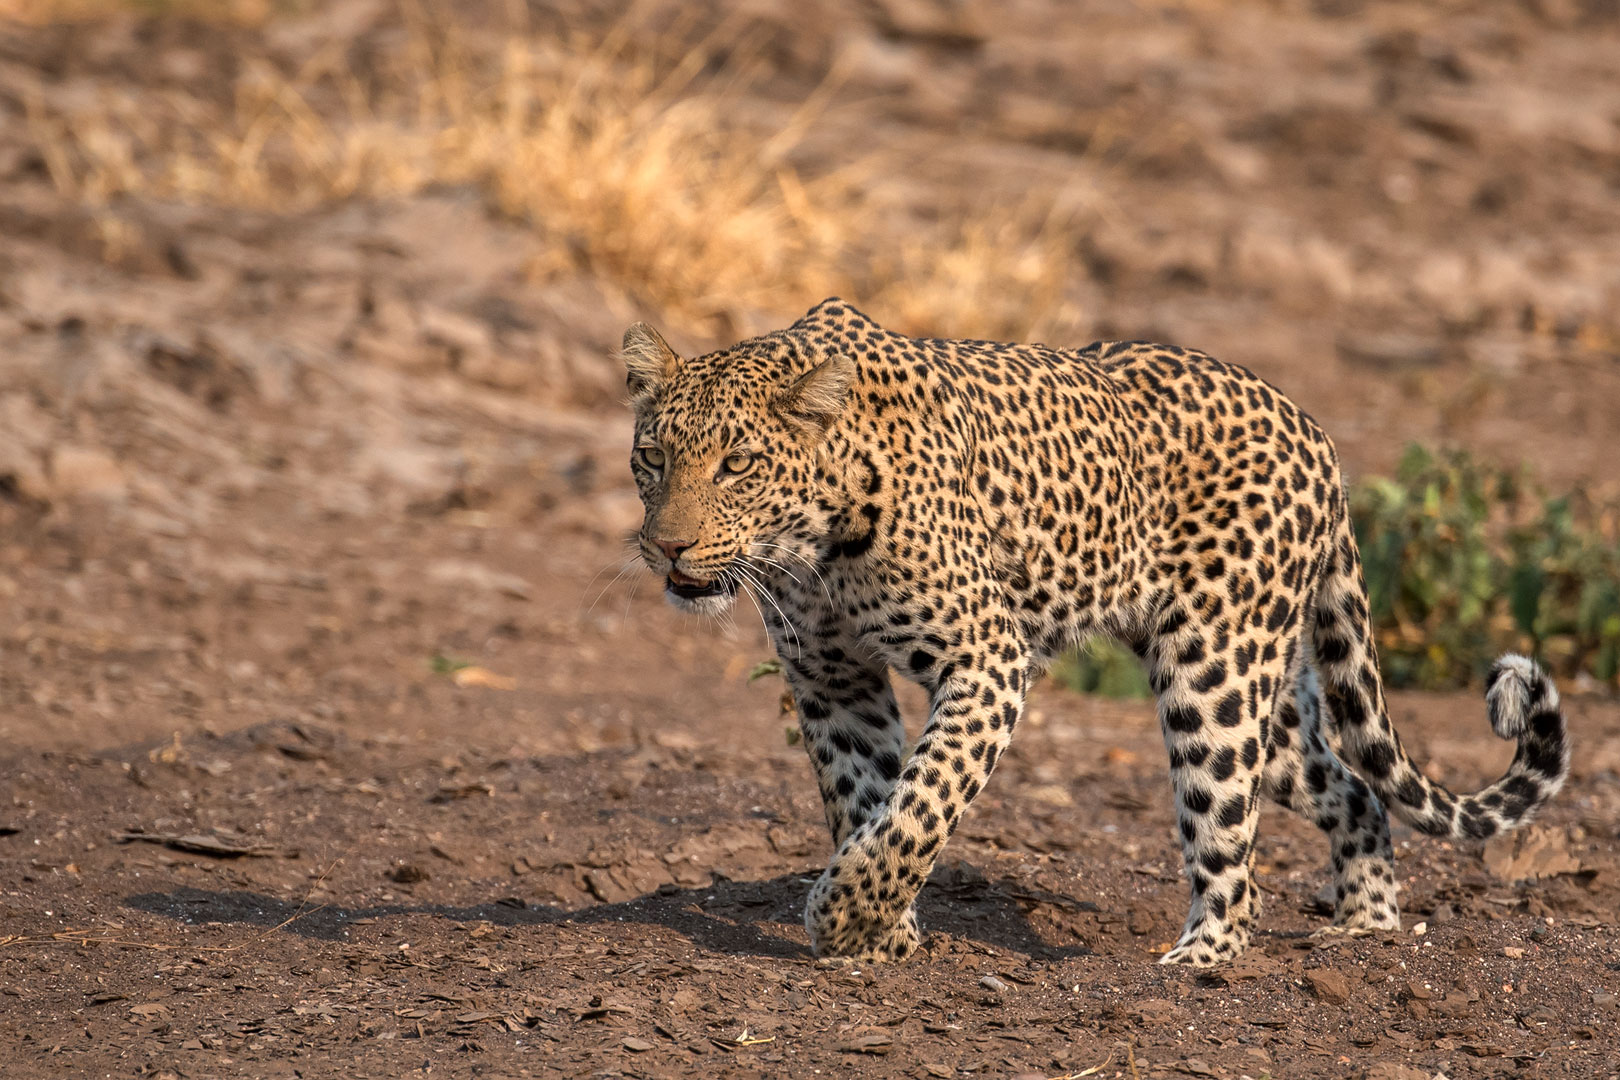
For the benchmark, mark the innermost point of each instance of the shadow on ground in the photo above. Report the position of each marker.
(740, 918)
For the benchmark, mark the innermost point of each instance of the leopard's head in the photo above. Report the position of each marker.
(726, 458)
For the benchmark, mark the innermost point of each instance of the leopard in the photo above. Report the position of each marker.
(959, 513)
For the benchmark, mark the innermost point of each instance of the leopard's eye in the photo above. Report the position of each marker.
(738, 463)
(650, 456)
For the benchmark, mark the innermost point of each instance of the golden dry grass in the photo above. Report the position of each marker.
(630, 165)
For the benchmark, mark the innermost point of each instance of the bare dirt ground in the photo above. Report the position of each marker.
(268, 479)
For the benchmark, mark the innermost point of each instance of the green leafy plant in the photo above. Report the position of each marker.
(1430, 571)
(1103, 666)
(1463, 561)
(1564, 588)
(447, 665)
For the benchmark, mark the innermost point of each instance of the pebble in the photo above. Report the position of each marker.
(1328, 986)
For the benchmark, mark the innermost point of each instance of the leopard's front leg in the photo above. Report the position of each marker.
(855, 738)
(861, 906)
(852, 730)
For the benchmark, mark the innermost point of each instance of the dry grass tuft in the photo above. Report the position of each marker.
(627, 165)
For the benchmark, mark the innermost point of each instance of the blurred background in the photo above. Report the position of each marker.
(319, 633)
(307, 309)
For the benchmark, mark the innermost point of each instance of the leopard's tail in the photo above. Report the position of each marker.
(1521, 699)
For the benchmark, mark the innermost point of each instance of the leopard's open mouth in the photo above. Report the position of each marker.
(690, 588)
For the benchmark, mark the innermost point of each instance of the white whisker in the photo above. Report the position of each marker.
(625, 617)
(812, 567)
(753, 579)
(779, 566)
(626, 565)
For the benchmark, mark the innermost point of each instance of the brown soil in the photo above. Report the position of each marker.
(266, 480)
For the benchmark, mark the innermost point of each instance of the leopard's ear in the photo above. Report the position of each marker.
(817, 397)
(648, 361)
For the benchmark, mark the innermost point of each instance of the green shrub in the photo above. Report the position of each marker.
(1431, 575)
(1464, 562)
(1102, 666)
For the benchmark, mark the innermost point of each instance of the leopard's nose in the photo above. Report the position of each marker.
(672, 548)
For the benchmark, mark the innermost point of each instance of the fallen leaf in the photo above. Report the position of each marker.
(764, 668)
(478, 676)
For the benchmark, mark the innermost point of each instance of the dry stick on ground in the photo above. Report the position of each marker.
(1090, 1071)
(78, 937)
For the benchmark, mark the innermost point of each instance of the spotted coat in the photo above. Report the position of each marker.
(960, 512)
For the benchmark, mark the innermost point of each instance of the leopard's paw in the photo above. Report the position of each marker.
(842, 929)
(1206, 946)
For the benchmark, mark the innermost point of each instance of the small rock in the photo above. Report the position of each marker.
(419, 471)
(1537, 852)
(877, 1045)
(994, 985)
(1393, 1070)
(1420, 929)
(1325, 899)
(1443, 913)
(454, 331)
(19, 465)
(471, 575)
(1512, 952)
(1328, 986)
(953, 25)
(80, 470)
(1458, 1004)
(1389, 352)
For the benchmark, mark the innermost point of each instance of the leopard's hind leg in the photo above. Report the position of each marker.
(1304, 774)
